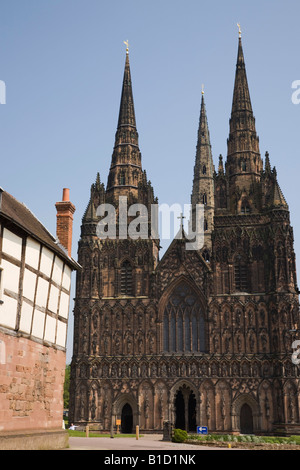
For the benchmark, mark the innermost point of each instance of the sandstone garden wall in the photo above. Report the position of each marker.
(31, 394)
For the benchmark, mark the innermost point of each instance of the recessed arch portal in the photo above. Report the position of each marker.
(125, 409)
(126, 419)
(246, 414)
(185, 409)
(246, 419)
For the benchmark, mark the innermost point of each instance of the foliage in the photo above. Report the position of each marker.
(247, 438)
(67, 386)
(179, 435)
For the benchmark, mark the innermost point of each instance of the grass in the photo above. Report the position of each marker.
(295, 440)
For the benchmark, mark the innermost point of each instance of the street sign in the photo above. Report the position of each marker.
(202, 430)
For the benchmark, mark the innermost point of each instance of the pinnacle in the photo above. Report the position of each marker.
(127, 114)
(241, 95)
(203, 152)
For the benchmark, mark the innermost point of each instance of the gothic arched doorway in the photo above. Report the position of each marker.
(179, 411)
(246, 419)
(185, 409)
(192, 413)
(126, 419)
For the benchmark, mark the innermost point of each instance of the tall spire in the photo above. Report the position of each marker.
(242, 137)
(244, 164)
(203, 182)
(127, 114)
(126, 169)
(203, 161)
(241, 95)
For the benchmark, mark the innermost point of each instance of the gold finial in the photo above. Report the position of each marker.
(127, 45)
(240, 32)
(202, 89)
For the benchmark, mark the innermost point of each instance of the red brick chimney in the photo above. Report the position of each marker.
(64, 225)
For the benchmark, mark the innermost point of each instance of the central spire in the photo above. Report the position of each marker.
(244, 164)
(127, 114)
(243, 141)
(241, 95)
(126, 170)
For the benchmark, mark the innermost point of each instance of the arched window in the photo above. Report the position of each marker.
(166, 331)
(204, 170)
(245, 208)
(187, 327)
(204, 199)
(222, 197)
(180, 332)
(240, 274)
(205, 225)
(126, 279)
(184, 323)
(173, 331)
(135, 177)
(122, 178)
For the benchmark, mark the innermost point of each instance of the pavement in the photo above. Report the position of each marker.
(148, 442)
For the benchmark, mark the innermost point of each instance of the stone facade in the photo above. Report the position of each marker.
(198, 337)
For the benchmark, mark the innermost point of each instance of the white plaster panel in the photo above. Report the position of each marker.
(8, 312)
(29, 284)
(57, 270)
(46, 261)
(53, 299)
(64, 305)
(38, 324)
(32, 253)
(11, 274)
(12, 244)
(61, 333)
(50, 329)
(1, 282)
(66, 282)
(2, 353)
(26, 317)
(42, 292)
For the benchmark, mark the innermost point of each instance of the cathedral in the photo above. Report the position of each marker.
(197, 337)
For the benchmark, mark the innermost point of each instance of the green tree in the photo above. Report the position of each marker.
(67, 386)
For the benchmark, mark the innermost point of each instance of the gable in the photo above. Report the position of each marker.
(179, 262)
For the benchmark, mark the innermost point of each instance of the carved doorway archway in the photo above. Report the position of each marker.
(185, 409)
(126, 419)
(246, 419)
(179, 411)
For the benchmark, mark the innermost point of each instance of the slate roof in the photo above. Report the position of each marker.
(18, 214)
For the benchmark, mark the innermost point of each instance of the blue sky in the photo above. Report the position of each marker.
(62, 62)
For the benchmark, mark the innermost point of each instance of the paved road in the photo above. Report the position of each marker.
(147, 442)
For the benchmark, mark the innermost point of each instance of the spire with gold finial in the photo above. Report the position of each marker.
(126, 167)
(240, 31)
(127, 46)
(244, 164)
(203, 180)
